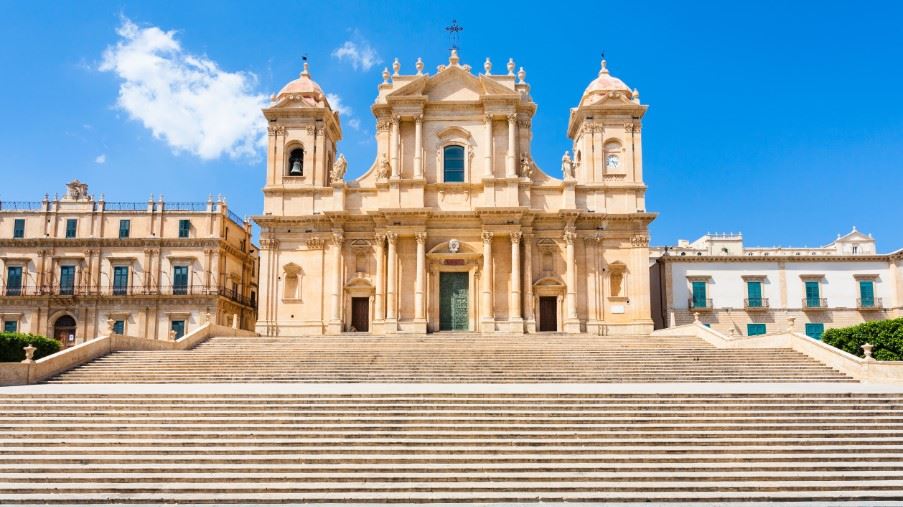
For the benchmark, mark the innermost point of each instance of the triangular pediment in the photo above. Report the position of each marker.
(607, 99)
(453, 84)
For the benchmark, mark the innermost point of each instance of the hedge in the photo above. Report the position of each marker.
(12, 346)
(885, 335)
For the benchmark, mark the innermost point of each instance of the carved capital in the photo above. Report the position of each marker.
(315, 243)
(418, 118)
(420, 237)
(310, 130)
(383, 125)
(632, 127)
(487, 237)
(338, 237)
(516, 237)
(512, 118)
(570, 234)
(392, 237)
(524, 124)
(487, 118)
(639, 240)
(380, 239)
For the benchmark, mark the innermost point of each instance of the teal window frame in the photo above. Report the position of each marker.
(19, 228)
(125, 228)
(184, 228)
(67, 280)
(119, 327)
(755, 329)
(14, 280)
(120, 280)
(867, 293)
(754, 293)
(179, 327)
(453, 163)
(815, 330)
(700, 291)
(71, 227)
(180, 280)
(813, 294)
(10, 326)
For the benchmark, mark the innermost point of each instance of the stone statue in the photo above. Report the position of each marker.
(338, 169)
(385, 169)
(567, 166)
(526, 166)
(76, 190)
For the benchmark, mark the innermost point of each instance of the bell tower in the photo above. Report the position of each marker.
(302, 133)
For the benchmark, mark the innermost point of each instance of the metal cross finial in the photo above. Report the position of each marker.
(603, 54)
(453, 30)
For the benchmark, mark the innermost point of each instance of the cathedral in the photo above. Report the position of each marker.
(454, 227)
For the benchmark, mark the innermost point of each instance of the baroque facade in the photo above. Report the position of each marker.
(742, 290)
(73, 267)
(454, 226)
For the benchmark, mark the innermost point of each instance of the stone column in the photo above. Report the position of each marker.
(487, 168)
(571, 301)
(391, 302)
(510, 171)
(379, 310)
(528, 278)
(418, 147)
(335, 323)
(394, 142)
(515, 299)
(486, 281)
(420, 277)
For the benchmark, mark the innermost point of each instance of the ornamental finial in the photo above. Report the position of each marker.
(487, 66)
(396, 65)
(453, 58)
(419, 66)
(306, 71)
(385, 75)
(604, 67)
(521, 74)
(511, 66)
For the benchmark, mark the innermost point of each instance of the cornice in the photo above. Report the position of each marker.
(775, 258)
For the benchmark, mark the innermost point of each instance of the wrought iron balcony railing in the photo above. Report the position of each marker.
(868, 303)
(124, 291)
(699, 304)
(815, 303)
(755, 304)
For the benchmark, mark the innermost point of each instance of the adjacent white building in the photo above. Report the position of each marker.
(755, 290)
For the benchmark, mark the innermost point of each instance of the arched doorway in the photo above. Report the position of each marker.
(64, 330)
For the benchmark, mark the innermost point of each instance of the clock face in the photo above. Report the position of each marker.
(612, 162)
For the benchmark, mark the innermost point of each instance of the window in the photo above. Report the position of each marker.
(296, 162)
(67, 280)
(253, 298)
(184, 228)
(813, 294)
(699, 295)
(119, 327)
(14, 281)
(19, 228)
(179, 327)
(866, 293)
(815, 330)
(10, 326)
(120, 280)
(453, 161)
(71, 227)
(180, 280)
(754, 294)
(855, 249)
(755, 329)
(124, 227)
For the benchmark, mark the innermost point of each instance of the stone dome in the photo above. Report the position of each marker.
(606, 83)
(304, 86)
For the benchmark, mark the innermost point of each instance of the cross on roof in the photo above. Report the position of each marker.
(453, 30)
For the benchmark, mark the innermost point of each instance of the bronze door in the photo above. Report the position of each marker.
(548, 313)
(360, 314)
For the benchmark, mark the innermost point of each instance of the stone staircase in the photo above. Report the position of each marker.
(454, 448)
(455, 359)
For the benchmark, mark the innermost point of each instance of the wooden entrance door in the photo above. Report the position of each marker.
(360, 314)
(64, 330)
(453, 302)
(548, 313)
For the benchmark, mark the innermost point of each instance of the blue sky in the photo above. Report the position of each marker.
(782, 120)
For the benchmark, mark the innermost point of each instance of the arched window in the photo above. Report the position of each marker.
(296, 162)
(453, 163)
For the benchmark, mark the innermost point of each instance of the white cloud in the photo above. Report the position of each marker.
(336, 103)
(101, 159)
(184, 99)
(360, 54)
(354, 123)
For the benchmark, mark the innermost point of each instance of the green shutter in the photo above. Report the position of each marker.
(755, 329)
(699, 295)
(867, 293)
(813, 297)
(754, 294)
(815, 330)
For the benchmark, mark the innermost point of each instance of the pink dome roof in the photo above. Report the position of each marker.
(304, 85)
(605, 83)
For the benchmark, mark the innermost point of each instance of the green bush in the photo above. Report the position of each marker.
(12, 346)
(885, 335)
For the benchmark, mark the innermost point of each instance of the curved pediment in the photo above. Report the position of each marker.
(448, 249)
(454, 133)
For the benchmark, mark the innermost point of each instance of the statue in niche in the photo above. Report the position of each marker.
(617, 280)
(567, 166)
(526, 166)
(385, 169)
(339, 168)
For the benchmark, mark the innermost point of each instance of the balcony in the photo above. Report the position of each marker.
(123, 291)
(868, 304)
(815, 303)
(700, 305)
(755, 304)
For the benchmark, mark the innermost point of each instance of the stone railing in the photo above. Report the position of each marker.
(866, 369)
(32, 371)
